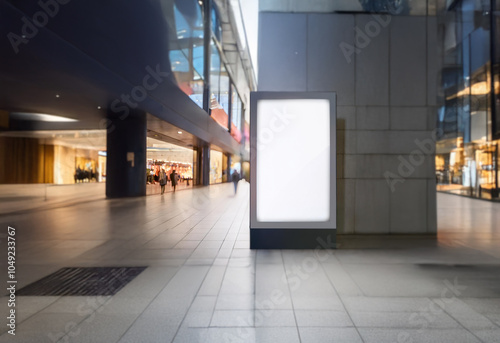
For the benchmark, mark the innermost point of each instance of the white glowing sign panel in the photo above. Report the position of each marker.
(295, 176)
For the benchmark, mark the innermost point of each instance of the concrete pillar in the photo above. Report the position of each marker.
(205, 165)
(229, 170)
(126, 155)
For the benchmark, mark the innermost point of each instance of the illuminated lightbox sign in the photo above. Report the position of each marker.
(293, 161)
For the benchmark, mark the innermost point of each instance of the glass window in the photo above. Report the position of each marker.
(479, 49)
(215, 65)
(219, 88)
(224, 89)
(216, 25)
(236, 115)
(186, 47)
(236, 109)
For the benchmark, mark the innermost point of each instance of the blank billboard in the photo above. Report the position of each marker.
(293, 160)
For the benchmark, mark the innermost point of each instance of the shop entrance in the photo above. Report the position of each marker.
(168, 157)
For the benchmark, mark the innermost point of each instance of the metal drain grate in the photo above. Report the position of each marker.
(91, 281)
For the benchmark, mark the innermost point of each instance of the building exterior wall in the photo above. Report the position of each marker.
(162, 59)
(383, 69)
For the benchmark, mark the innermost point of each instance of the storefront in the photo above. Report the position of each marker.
(54, 157)
(168, 157)
(217, 169)
(468, 169)
(468, 124)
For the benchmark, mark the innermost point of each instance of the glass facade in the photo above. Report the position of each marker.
(225, 101)
(186, 54)
(467, 146)
(190, 45)
(187, 48)
(188, 42)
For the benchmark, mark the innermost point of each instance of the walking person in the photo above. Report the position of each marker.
(235, 178)
(156, 176)
(173, 178)
(163, 180)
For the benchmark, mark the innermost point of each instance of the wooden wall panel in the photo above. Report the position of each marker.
(48, 164)
(3, 150)
(24, 160)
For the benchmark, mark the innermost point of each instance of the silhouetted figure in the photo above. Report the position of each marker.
(157, 176)
(235, 178)
(163, 180)
(173, 178)
(78, 174)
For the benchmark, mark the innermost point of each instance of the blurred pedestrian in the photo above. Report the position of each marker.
(156, 176)
(235, 178)
(173, 178)
(163, 180)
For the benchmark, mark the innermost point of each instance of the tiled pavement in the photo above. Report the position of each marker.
(204, 284)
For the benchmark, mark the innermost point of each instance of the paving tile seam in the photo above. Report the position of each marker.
(338, 295)
(290, 294)
(192, 301)
(459, 323)
(149, 304)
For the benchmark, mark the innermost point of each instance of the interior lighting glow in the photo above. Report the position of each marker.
(478, 88)
(40, 117)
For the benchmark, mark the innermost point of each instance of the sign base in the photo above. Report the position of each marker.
(293, 238)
